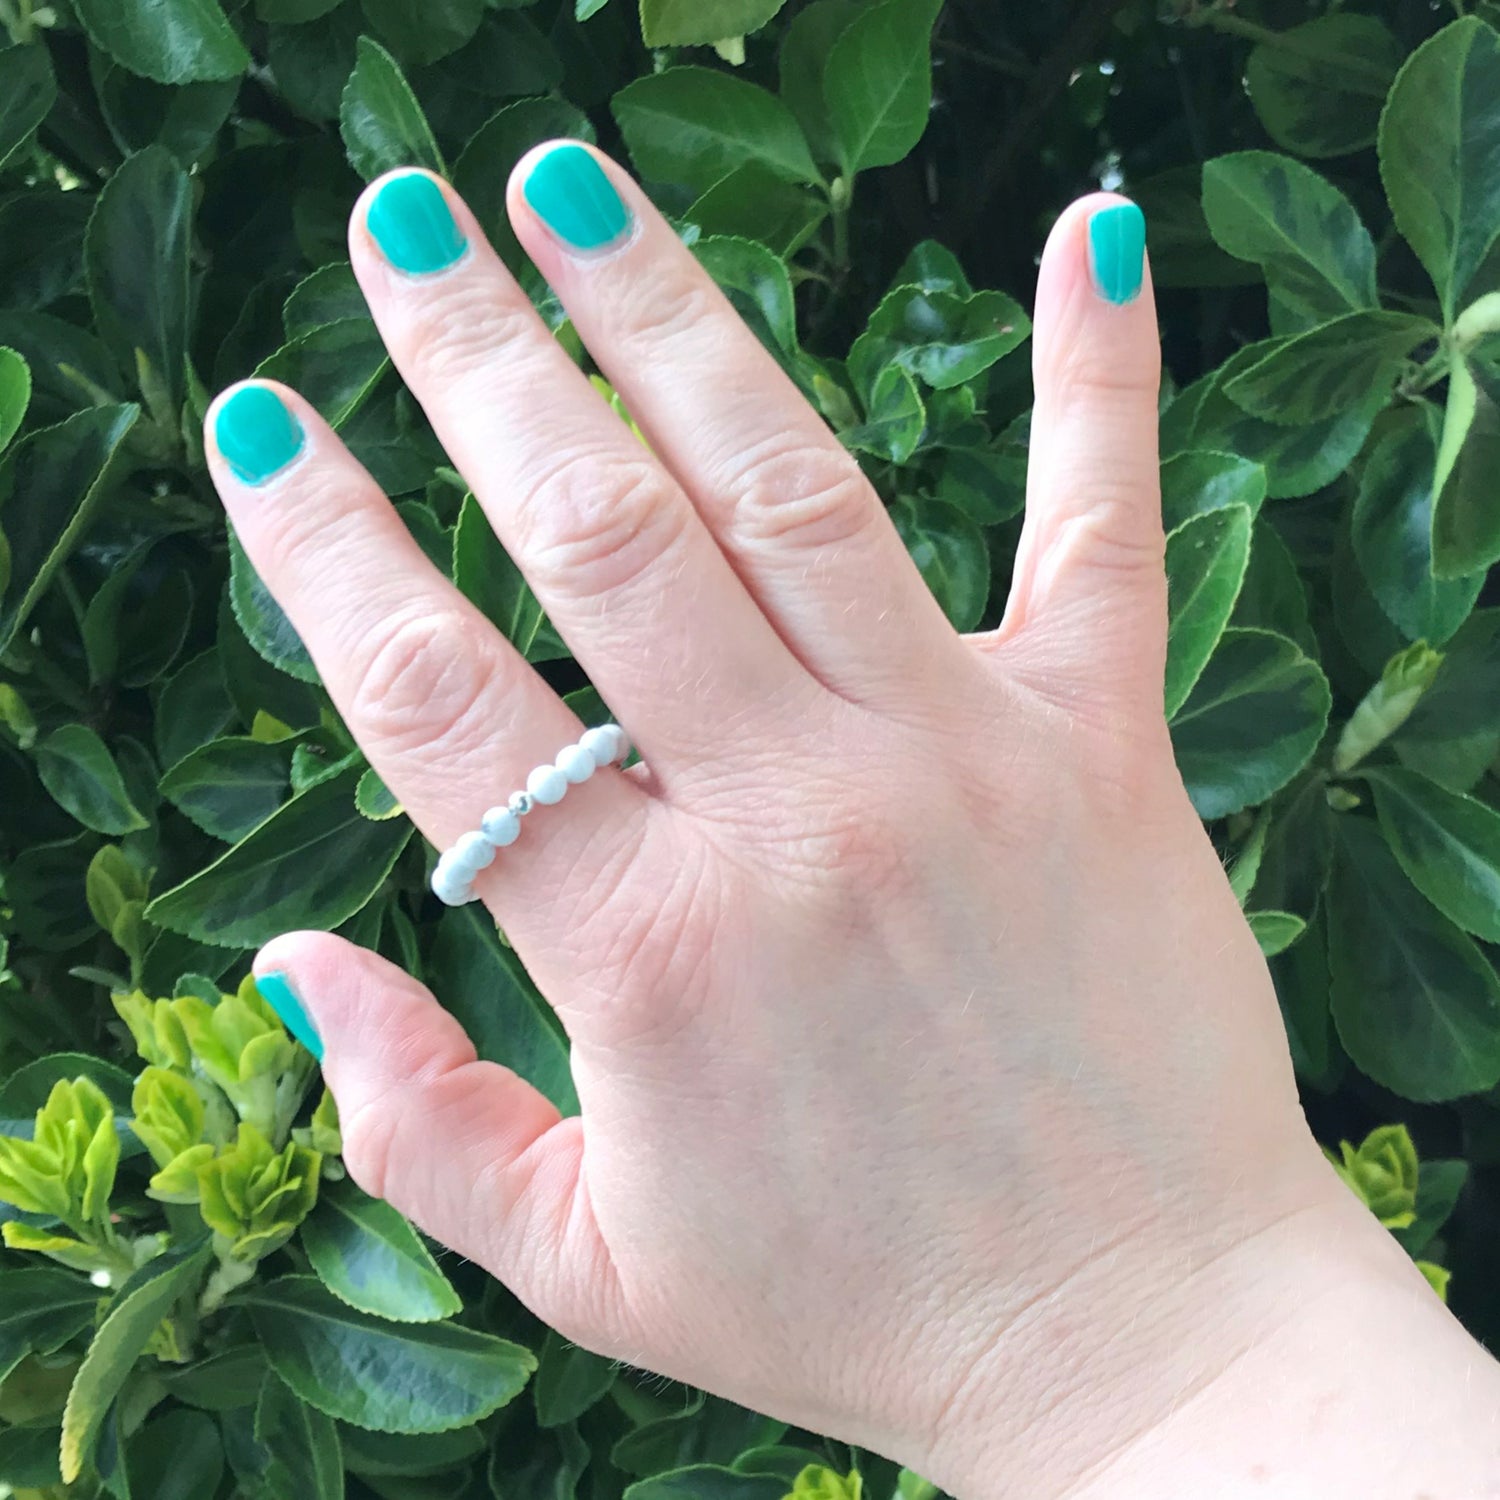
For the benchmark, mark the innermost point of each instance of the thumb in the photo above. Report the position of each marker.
(466, 1149)
(1087, 612)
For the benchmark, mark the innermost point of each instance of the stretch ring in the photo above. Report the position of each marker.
(453, 875)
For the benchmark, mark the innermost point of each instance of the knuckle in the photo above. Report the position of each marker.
(421, 679)
(790, 492)
(459, 333)
(673, 308)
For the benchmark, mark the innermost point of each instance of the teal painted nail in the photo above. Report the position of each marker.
(570, 194)
(1117, 245)
(411, 222)
(282, 998)
(256, 434)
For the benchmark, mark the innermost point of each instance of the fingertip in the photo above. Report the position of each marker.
(412, 221)
(569, 193)
(255, 430)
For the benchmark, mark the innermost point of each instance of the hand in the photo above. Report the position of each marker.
(934, 1093)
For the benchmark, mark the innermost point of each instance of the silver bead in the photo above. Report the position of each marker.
(521, 803)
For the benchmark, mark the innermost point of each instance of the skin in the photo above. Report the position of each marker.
(934, 1091)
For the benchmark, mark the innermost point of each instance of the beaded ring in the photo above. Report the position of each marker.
(453, 876)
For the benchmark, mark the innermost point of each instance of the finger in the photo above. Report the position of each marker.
(622, 563)
(791, 508)
(1088, 601)
(466, 1149)
(441, 703)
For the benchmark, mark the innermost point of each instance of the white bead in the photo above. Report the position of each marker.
(501, 826)
(547, 784)
(602, 743)
(576, 763)
(622, 743)
(473, 853)
(451, 885)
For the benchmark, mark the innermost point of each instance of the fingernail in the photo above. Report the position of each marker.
(411, 222)
(1117, 248)
(570, 194)
(282, 998)
(256, 434)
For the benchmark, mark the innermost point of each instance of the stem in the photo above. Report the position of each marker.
(989, 60)
(1232, 25)
(840, 196)
(16, 14)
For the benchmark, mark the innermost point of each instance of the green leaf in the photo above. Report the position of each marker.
(329, 295)
(1453, 734)
(878, 83)
(314, 863)
(1387, 705)
(1319, 87)
(1318, 258)
(569, 1380)
(392, 1377)
(306, 1463)
(27, 92)
(420, 34)
(28, 1457)
(263, 620)
(1440, 154)
(1272, 596)
(752, 203)
(694, 125)
(1391, 531)
(336, 367)
(708, 1482)
(1192, 484)
(483, 570)
(136, 253)
(376, 1454)
(144, 1300)
(1206, 560)
(756, 282)
(785, 1460)
(698, 23)
(76, 767)
(1250, 724)
(61, 473)
(1328, 369)
(381, 122)
(1300, 974)
(40, 1310)
(172, 41)
(950, 553)
(367, 1255)
(805, 45)
(177, 1456)
(1439, 1185)
(940, 337)
(1416, 1003)
(375, 799)
(895, 418)
(229, 786)
(483, 983)
(1448, 844)
(1465, 518)
(1275, 931)
(15, 397)
(709, 1430)
(219, 1382)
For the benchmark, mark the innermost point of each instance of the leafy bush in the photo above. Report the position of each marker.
(190, 1281)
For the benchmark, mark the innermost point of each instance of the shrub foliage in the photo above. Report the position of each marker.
(190, 1281)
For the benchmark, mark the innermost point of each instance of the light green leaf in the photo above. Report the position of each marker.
(878, 83)
(695, 125)
(1465, 516)
(367, 1255)
(950, 553)
(76, 767)
(1206, 560)
(230, 786)
(483, 570)
(1319, 87)
(381, 122)
(1387, 705)
(1440, 154)
(172, 41)
(708, 1482)
(1391, 531)
(1192, 484)
(392, 1377)
(805, 45)
(1329, 369)
(1416, 1003)
(569, 1380)
(40, 1310)
(1251, 723)
(306, 1463)
(420, 34)
(698, 23)
(1275, 931)
(942, 338)
(1318, 258)
(1448, 844)
(374, 798)
(15, 397)
(313, 863)
(27, 92)
(145, 1299)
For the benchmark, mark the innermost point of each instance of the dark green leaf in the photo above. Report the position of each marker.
(382, 124)
(1300, 974)
(367, 1255)
(1448, 844)
(1183, 252)
(313, 863)
(392, 1377)
(878, 83)
(568, 1381)
(185, 118)
(219, 1382)
(329, 295)
(693, 125)
(1440, 153)
(336, 367)
(27, 92)
(306, 1463)
(192, 708)
(41, 234)
(423, 33)
(710, 1430)
(1465, 518)
(29, 1458)
(1254, 717)
(381, 1453)
(1391, 531)
(755, 280)
(1439, 1185)
(1272, 596)
(482, 568)
(1416, 1003)
(949, 551)
(263, 620)
(805, 46)
(1319, 87)
(1206, 560)
(179, 1456)
(1453, 733)
(229, 786)
(137, 259)
(987, 484)
(76, 767)
(895, 418)
(41, 1308)
(706, 1482)
(695, 23)
(172, 41)
(1194, 483)
(755, 204)
(941, 338)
